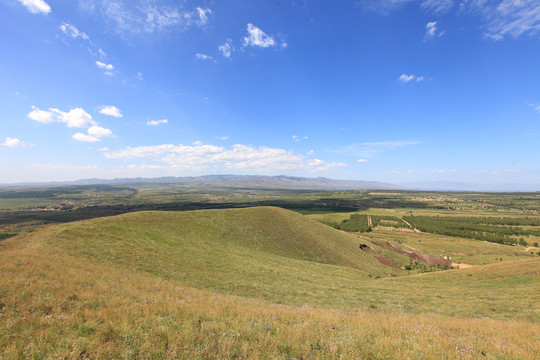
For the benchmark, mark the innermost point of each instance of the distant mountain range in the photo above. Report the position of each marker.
(461, 186)
(238, 181)
(294, 182)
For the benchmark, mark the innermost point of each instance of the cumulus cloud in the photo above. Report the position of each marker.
(226, 49)
(72, 31)
(36, 6)
(239, 157)
(109, 68)
(94, 134)
(111, 111)
(200, 56)
(75, 118)
(99, 132)
(13, 143)
(257, 37)
(404, 78)
(42, 116)
(85, 137)
(157, 122)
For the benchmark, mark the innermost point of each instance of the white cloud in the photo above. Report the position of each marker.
(13, 143)
(151, 17)
(299, 138)
(512, 18)
(432, 30)
(94, 134)
(42, 116)
(72, 31)
(140, 76)
(103, 149)
(199, 56)
(197, 142)
(157, 122)
(404, 78)
(373, 149)
(111, 111)
(75, 118)
(537, 108)
(257, 37)
(100, 132)
(107, 67)
(224, 138)
(226, 48)
(499, 18)
(437, 6)
(239, 157)
(36, 6)
(85, 137)
(203, 15)
(361, 160)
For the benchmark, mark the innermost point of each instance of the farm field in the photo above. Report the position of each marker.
(325, 275)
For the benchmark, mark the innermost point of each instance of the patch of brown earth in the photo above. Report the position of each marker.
(386, 261)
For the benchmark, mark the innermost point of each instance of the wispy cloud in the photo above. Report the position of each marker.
(499, 18)
(226, 49)
(432, 30)
(36, 6)
(151, 16)
(13, 143)
(511, 18)
(157, 122)
(72, 31)
(200, 56)
(299, 138)
(373, 149)
(404, 78)
(239, 157)
(111, 110)
(437, 6)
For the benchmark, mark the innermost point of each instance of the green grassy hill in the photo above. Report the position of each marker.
(250, 283)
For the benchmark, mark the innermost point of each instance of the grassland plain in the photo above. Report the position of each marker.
(251, 283)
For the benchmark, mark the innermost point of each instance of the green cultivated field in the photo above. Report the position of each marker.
(247, 281)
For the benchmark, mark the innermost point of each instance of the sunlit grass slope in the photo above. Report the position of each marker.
(280, 256)
(58, 304)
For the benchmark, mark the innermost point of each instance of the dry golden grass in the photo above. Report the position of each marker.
(56, 304)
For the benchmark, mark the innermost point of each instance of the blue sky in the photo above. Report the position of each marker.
(394, 90)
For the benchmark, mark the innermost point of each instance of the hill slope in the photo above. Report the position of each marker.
(124, 287)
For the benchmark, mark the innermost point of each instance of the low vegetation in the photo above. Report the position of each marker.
(265, 282)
